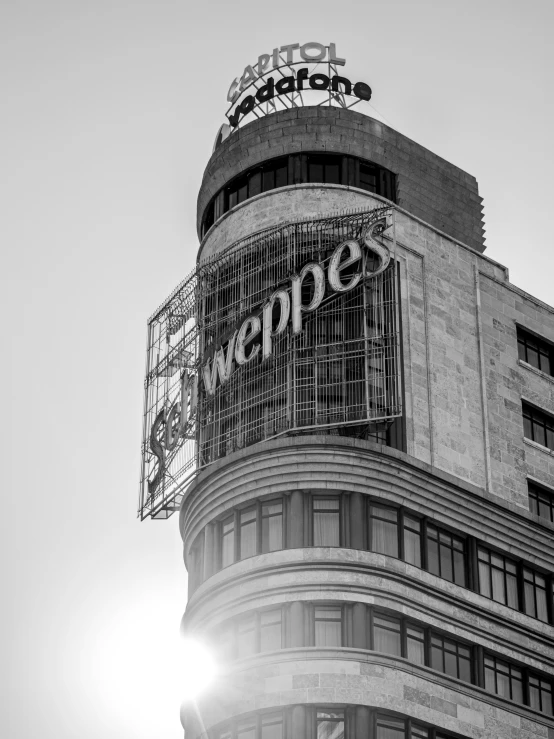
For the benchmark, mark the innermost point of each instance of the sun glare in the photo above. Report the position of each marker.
(199, 668)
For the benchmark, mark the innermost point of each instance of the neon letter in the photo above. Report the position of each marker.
(336, 266)
(220, 365)
(268, 334)
(319, 291)
(249, 329)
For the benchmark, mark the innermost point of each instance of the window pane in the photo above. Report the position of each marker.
(247, 729)
(248, 545)
(330, 725)
(326, 522)
(332, 173)
(328, 627)
(270, 630)
(246, 636)
(255, 184)
(498, 586)
(416, 644)
(511, 591)
(386, 635)
(384, 530)
(272, 726)
(228, 541)
(390, 728)
(412, 540)
(484, 579)
(272, 526)
(281, 175)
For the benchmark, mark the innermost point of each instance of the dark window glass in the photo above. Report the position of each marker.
(248, 543)
(451, 657)
(541, 502)
(415, 644)
(419, 732)
(535, 594)
(368, 177)
(384, 529)
(326, 522)
(315, 169)
(272, 726)
(268, 179)
(535, 351)
(390, 728)
(503, 679)
(330, 724)
(270, 630)
(446, 555)
(228, 541)
(412, 540)
(538, 426)
(272, 525)
(327, 626)
(540, 694)
(498, 577)
(255, 183)
(386, 634)
(281, 175)
(246, 636)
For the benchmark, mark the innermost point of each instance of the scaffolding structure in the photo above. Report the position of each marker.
(340, 374)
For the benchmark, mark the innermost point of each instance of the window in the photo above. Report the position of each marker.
(270, 630)
(412, 540)
(541, 502)
(330, 724)
(384, 529)
(387, 634)
(535, 351)
(498, 578)
(390, 728)
(540, 694)
(272, 525)
(246, 636)
(248, 543)
(451, 657)
(503, 679)
(327, 626)
(196, 562)
(228, 541)
(535, 594)
(538, 426)
(446, 555)
(326, 522)
(415, 644)
(246, 729)
(295, 169)
(272, 726)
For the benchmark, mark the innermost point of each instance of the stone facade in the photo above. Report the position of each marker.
(465, 467)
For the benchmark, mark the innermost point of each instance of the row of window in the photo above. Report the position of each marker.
(397, 532)
(332, 625)
(298, 169)
(332, 722)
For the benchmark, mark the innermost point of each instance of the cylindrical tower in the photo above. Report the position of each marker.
(359, 557)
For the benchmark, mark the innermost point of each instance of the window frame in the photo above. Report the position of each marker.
(543, 348)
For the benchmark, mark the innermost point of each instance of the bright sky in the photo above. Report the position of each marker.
(109, 110)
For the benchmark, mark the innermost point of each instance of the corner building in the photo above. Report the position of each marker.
(392, 579)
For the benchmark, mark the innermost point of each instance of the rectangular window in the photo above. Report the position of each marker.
(330, 724)
(387, 634)
(451, 657)
(538, 426)
(446, 555)
(368, 177)
(246, 636)
(246, 729)
(541, 502)
(390, 728)
(270, 630)
(503, 679)
(327, 627)
(535, 351)
(535, 594)
(247, 527)
(228, 540)
(498, 578)
(415, 644)
(272, 525)
(412, 540)
(384, 529)
(326, 522)
(540, 694)
(272, 726)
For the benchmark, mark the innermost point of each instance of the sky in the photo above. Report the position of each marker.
(108, 115)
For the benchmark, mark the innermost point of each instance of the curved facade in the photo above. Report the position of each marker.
(395, 580)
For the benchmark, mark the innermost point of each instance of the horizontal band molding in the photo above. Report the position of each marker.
(334, 464)
(361, 581)
(358, 677)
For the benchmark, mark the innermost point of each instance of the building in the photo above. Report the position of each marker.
(386, 574)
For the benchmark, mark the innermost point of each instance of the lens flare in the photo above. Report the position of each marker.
(199, 668)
